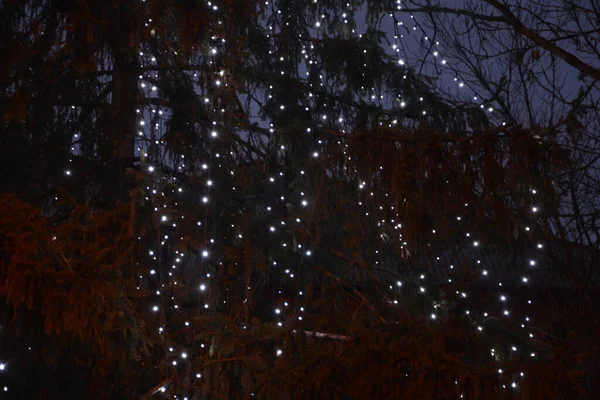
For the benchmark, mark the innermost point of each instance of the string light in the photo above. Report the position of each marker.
(152, 125)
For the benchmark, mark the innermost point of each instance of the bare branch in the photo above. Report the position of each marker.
(455, 11)
(568, 57)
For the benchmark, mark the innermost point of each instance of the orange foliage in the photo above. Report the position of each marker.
(76, 274)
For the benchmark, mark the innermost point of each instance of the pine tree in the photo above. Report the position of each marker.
(247, 199)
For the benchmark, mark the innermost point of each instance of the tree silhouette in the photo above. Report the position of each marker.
(255, 199)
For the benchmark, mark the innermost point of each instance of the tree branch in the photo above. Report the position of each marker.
(454, 11)
(566, 56)
(155, 389)
(509, 18)
(327, 335)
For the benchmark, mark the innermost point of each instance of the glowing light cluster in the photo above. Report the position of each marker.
(165, 262)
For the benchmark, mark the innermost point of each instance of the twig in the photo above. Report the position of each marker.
(155, 389)
(328, 335)
(356, 292)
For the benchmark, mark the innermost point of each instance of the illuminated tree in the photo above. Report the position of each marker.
(261, 199)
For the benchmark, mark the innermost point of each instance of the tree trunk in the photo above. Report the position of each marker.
(125, 96)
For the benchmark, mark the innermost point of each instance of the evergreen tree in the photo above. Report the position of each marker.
(259, 199)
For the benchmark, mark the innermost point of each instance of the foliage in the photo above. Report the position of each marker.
(219, 200)
(74, 277)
